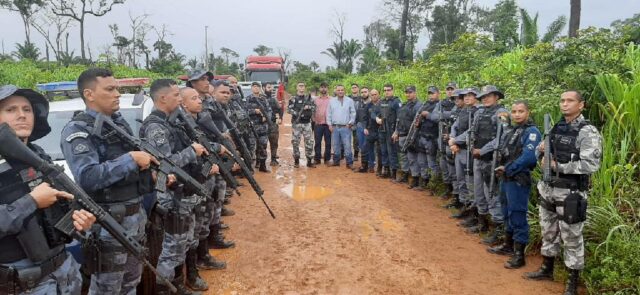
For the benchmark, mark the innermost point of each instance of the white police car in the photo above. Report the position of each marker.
(133, 107)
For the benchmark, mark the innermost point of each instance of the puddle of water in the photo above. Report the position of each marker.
(307, 193)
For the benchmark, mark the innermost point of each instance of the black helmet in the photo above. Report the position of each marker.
(40, 107)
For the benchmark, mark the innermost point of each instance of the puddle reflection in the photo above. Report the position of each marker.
(307, 192)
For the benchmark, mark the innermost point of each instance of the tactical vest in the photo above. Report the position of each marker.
(253, 103)
(511, 147)
(428, 128)
(177, 139)
(388, 115)
(110, 148)
(362, 114)
(405, 117)
(447, 105)
(16, 180)
(298, 104)
(465, 117)
(486, 127)
(563, 137)
(238, 114)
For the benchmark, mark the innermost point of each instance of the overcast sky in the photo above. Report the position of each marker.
(299, 25)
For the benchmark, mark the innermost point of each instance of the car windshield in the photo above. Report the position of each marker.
(57, 121)
(246, 92)
(265, 76)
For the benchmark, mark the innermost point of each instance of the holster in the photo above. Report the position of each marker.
(575, 208)
(99, 257)
(172, 221)
(15, 281)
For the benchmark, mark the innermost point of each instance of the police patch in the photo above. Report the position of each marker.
(80, 149)
(530, 147)
(73, 136)
(158, 136)
(533, 137)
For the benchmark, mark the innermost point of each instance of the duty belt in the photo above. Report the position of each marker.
(15, 281)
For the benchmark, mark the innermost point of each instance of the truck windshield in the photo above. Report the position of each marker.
(57, 121)
(265, 76)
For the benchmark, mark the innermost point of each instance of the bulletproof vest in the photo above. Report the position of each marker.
(464, 120)
(239, 113)
(387, 114)
(177, 139)
(372, 112)
(429, 128)
(110, 148)
(511, 146)
(486, 128)
(405, 117)
(563, 141)
(254, 102)
(298, 104)
(275, 108)
(16, 180)
(447, 105)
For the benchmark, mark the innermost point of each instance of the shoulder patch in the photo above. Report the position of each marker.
(533, 137)
(80, 148)
(80, 134)
(530, 147)
(158, 136)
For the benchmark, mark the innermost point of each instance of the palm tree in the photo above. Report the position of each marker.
(352, 50)
(370, 60)
(336, 52)
(27, 51)
(529, 29)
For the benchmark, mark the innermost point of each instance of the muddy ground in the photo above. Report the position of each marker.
(340, 232)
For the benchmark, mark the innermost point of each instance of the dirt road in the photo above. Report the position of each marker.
(340, 232)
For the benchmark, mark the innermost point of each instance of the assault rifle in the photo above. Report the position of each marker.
(205, 120)
(196, 135)
(12, 147)
(546, 170)
(495, 160)
(166, 167)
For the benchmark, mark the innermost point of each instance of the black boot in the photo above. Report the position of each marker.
(471, 220)
(205, 260)
(310, 163)
(274, 162)
(463, 213)
(178, 282)
(454, 203)
(572, 283)
(517, 260)
(495, 236)
(481, 227)
(296, 162)
(263, 166)
(400, 177)
(364, 167)
(393, 174)
(216, 240)
(506, 249)
(227, 212)
(447, 192)
(414, 182)
(194, 281)
(544, 273)
(384, 172)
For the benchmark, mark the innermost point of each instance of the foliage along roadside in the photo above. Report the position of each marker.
(607, 72)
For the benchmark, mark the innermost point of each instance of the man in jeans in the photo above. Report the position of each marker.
(341, 115)
(321, 129)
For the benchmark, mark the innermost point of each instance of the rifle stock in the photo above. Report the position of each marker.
(13, 148)
(494, 161)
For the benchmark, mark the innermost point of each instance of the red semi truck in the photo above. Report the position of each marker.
(267, 69)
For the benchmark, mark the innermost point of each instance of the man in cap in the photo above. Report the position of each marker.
(260, 115)
(386, 120)
(428, 137)
(301, 107)
(30, 245)
(114, 175)
(443, 113)
(576, 152)
(459, 142)
(321, 128)
(409, 159)
(485, 124)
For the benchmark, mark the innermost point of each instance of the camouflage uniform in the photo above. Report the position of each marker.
(581, 165)
(238, 113)
(260, 123)
(301, 124)
(274, 128)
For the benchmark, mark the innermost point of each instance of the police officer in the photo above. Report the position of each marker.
(443, 112)
(33, 260)
(406, 117)
(276, 120)
(427, 144)
(485, 142)
(576, 151)
(301, 107)
(238, 113)
(386, 120)
(115, 176)
(371, 133)
(355, 96)
(260, 115)
(362, 118)
(458, 142)
(451, 156)
(517, 149)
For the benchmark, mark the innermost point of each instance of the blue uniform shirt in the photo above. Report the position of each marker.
(530, 139)
(81, 153)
